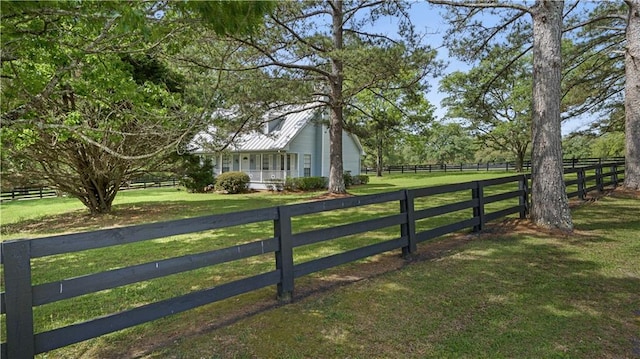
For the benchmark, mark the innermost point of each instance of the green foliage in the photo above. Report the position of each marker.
(232, 182)
(360, 179)
(197, 173)
(577, 145)
(91, 94)
(305, 183)
(610, 144)
(225, 16)
(383, 120)
(348, 179)
(445, 143)
(495, 101)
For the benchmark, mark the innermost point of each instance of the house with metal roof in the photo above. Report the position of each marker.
(293, 144)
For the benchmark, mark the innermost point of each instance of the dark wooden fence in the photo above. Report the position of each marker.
(21, 295)
(42, 192)
(487, 166)
(27, 193)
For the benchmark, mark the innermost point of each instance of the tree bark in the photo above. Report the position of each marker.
(632, 97)
(336, 169)
(549, 202)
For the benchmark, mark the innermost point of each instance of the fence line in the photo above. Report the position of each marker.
(43, 192)
(487, 166)
(21, 295)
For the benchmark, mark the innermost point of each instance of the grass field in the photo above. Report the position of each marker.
(519, 293)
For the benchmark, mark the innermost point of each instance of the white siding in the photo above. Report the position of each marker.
(350, 153)
(304, 143)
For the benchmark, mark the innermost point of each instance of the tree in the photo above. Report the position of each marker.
(327, 52)
(577, 145)
(549, 203)
(381, 120)
(608, 44)
(632, 97)
(501, 115)
(449, 143)
(88, 101)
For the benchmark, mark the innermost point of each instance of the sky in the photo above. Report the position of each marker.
(427, 18)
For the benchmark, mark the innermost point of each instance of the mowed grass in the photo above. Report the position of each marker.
(190, 334)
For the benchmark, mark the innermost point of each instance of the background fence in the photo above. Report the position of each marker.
(407, 221)
(43, 192)
(486, 166)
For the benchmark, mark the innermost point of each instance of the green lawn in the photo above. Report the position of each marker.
(435, 306)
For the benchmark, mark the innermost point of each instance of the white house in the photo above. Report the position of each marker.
(295, 144)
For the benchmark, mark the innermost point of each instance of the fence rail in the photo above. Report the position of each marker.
(486, 166)
(21, 295)
(43, 192)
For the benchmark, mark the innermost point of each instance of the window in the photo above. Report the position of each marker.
(307, 165)
(226, 161)
(253, 160)
(266, 161)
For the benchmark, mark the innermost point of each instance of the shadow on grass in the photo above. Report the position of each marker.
(140, 212)
(520, 296)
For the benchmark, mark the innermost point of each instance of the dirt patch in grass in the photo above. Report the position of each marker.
(83, 221)
(327, 196)
(621, 192)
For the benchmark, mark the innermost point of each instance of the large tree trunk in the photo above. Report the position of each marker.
(336, 178)
(632, 98)
(549, 203)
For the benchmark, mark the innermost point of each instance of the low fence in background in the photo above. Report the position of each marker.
(43, 192)
(487, 166)
(21, 295)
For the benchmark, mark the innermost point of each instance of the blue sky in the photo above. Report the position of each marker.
(428, 19)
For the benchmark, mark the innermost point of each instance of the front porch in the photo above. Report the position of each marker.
(262, 168)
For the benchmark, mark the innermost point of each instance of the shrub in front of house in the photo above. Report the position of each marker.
(348, 179)
(305, 183)
(232, 182)
(197, 175)
(359, 179)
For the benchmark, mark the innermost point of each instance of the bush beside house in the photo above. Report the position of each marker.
(232, 182)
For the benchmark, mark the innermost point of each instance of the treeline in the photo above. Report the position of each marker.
(454, 144)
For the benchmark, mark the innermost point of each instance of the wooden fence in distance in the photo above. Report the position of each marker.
(21, 295)
(43, 192)
(487, 166)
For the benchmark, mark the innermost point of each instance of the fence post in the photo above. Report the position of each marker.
(429, 168)
(523, 200)
(614, 175)
(487, 166)
(445, 167)
(284, 255)
(581, 183)
(40, 192)
(477, 193)
(18, 299)
(599, 179)
(507, 166)
(408, 229)
(415, 169)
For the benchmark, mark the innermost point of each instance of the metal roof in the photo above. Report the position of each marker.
(294, 119)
